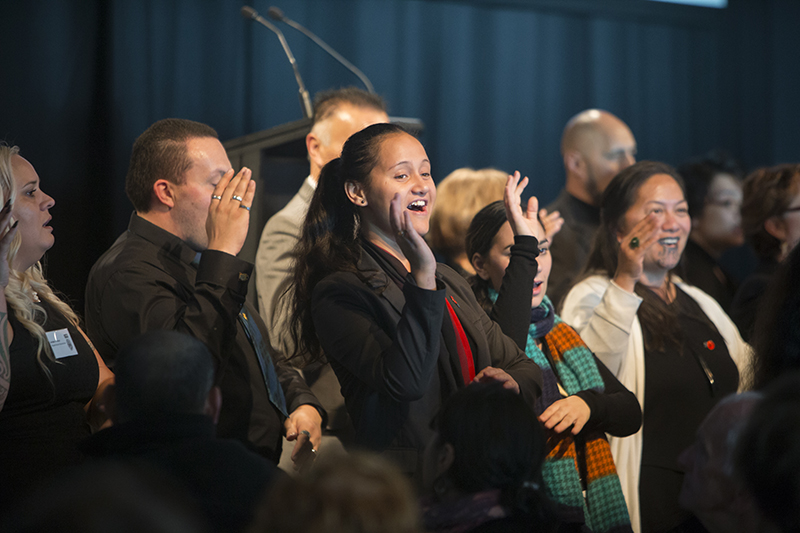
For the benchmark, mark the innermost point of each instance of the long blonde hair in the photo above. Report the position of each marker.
(26, 288)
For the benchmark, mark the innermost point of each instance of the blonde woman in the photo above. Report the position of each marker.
(461, 194)
(50, 376)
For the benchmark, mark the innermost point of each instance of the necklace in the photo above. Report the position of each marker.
(666, 291)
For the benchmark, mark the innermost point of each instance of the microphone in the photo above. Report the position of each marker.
(305, 101)
(276, 14)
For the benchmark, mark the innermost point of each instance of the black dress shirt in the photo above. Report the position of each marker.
(150, 279)
(571, 245)
(744, 308)
(698, 268)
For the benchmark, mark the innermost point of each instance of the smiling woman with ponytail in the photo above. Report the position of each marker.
(401, 333)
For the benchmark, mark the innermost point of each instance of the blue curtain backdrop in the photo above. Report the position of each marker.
(494, 81)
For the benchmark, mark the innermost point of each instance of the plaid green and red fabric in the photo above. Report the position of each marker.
(603, 507)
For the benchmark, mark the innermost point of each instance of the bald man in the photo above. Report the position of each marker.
(595, 147)
(710, 489)
(337, 115)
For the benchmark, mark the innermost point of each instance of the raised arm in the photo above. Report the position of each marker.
(513, 305)
(603, 312)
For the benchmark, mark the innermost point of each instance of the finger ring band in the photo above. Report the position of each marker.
(401, 233)
(306, 433)
(634, 244)
(237, 198)
(244, 207)
(215, 197)
(314, 451)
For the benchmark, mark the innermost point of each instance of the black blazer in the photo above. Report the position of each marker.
(385, 347)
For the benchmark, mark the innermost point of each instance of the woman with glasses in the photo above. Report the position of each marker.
(771, 220)
(714, 194)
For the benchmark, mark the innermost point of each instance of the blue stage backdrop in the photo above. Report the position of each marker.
(494, 81)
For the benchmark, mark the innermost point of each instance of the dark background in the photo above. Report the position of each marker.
(494, 82)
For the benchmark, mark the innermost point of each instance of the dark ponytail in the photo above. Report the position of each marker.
(329, 239)
(480, 237)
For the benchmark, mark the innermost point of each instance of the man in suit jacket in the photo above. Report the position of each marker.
(337, 115)
(595, 146)
(176, 268)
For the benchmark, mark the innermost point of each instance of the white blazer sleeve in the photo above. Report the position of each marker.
(603, 314)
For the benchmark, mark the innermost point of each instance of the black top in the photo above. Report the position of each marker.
(678, 396)
(385, 346)
(744, 308)
(227, 480)
(41, 422)
(571, 245)
(698, 268)
(616, 410)
(150, 279)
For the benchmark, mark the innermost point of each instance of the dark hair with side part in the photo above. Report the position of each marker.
(160, 153)
(767, 456)
(659, 321)
(480, 239)
(495, 452)
(326, 102)
(329, 239)
(699, 173)
(767, 193)
(162, 372)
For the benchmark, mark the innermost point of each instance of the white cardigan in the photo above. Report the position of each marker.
(605, 316)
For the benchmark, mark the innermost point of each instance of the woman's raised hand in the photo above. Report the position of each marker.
(7, 231)
(414, 248)
(522, 223)
(552, 223)
(632, 249)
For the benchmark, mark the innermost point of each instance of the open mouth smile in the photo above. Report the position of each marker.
(418, 206)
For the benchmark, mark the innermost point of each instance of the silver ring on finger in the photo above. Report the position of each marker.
(244, 207)
(401, 233)
(216, 197)
(237, 198)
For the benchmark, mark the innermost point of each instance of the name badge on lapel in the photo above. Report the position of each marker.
(61, 342)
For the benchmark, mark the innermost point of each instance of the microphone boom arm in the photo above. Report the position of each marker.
(277, 14)
(305, 99)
